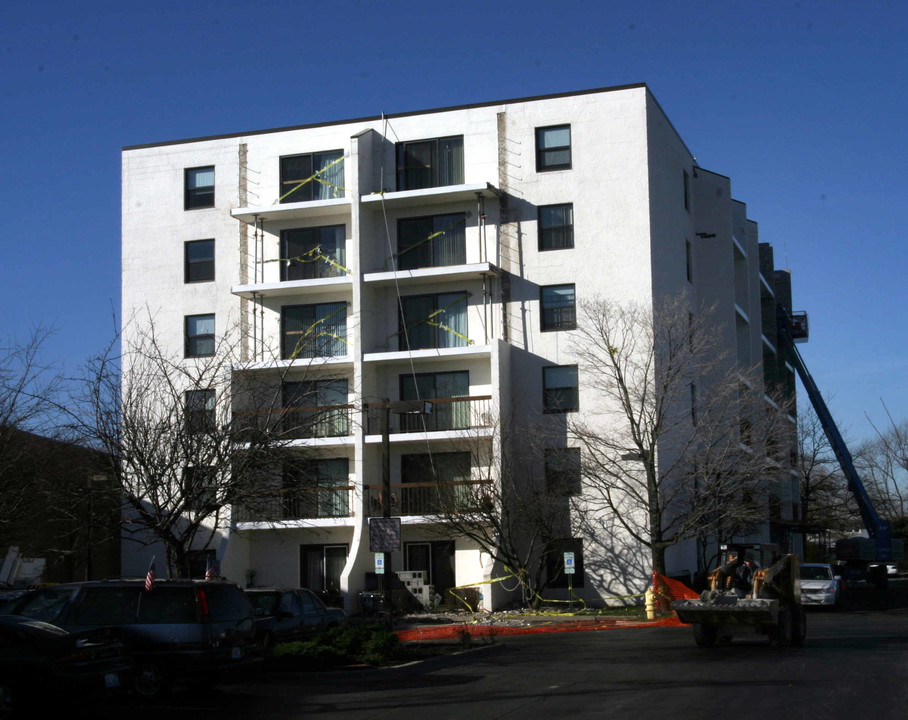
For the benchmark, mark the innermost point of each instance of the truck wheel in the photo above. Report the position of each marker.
(705, 635)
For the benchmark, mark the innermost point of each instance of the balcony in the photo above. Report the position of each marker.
(321, 502)
(428, 498)
(460, 413)
(299, 423)
(430, 196)
(294, 211)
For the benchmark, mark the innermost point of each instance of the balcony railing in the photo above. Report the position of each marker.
(295, 423)
(429, 498)
(458, 413)
(299, 504)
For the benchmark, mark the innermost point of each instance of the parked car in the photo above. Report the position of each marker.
(820, 585)
(43, 662)
(194, 631)
(285, 614)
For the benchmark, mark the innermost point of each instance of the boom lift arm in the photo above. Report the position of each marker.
(877, 528)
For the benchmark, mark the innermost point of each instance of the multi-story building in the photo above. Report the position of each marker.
(430, 255)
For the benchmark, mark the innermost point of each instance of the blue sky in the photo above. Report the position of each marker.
(801, 103)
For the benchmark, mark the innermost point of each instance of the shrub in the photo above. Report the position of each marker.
(352, 643)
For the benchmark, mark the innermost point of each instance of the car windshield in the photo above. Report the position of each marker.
(264, 603)
(816, 573)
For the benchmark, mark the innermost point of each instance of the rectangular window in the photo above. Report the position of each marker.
(321, 567)
(430, 163)
(200, 411)
(316, 488)
(200, 489)
(199, 334)
(435, 386)
(555, 563)
(312, 176)
(558, 307)
(199, 188)
(318, 330)
(433, 241)
(553, 148)
(440, 482)
(560, 391)
(689, 260)
(686, 190)
(311, 253)
(315, 409)
(562, 471)
(556, 227)
(198, 261)
(434, 321)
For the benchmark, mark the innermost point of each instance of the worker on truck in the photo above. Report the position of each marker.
(743, 582)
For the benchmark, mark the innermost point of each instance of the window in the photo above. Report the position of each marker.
(433, 241)
(309, 331)
(553, 148)
(435, 386)
(313, 176)
(689, 260)
(441, 482)
(434, 321)
(200, 489)
(558, 311)
(555, 563)
(198, 261)
(430, 163)
(199, 188)
(200, 411)
(316, 252)
(562, 471)
(556, 227)
(315, 409)
(686, 190)
(199, 335)
(315, 488)
(560, 392)
(321, 567)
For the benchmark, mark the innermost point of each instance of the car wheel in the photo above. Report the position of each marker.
(151, 681)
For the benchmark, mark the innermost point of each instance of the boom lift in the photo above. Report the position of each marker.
(880, 547)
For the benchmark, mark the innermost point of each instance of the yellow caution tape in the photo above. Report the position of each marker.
(314, 176)
(428, 239)
(313, 255)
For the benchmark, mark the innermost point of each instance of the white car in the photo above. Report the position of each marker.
(821, 586)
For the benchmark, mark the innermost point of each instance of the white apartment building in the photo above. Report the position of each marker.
(440, 254)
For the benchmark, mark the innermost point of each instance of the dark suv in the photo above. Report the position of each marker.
(192, 630)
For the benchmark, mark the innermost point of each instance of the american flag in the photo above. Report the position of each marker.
(150, 577)
(210, 574)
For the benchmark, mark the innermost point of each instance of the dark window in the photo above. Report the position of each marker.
(555, 563)
(199, 261)
(434, 321)
(562, 471)
(313, 176)
(315, 409)
(200, 411)
(556, 227)
(558, 307)
(560, 390)
(433, 241)
(434, 386)
(316, 252)
(200, 489)
(686, 191)
(199, 188)
(441, 483)
(689, 260)
(321, 567)
(553, 148)
(430, 163)
(199, 333)
(317, 488)
(318, 330)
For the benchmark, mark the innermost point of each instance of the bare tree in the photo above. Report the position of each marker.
(188, 439)
(680, 440)
(884, 465)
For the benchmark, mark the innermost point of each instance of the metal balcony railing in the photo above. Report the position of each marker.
(294, 423)
(299, 504)
(458, 413)
(429, 498)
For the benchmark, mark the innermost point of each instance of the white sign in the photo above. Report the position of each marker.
(379, 563)
(569, 567)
